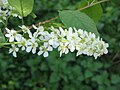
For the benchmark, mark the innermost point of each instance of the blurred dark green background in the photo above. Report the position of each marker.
(32, 72)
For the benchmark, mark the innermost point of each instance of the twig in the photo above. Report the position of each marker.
(46, 21)
(78, 10)
(93, 4)
(52, 19)
(115, 56)
(116, 63)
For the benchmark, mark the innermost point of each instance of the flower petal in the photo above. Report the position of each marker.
(14, 54)
(40, 52)
(28, 49)
(45, 54)
(34, 50)
(11, 39)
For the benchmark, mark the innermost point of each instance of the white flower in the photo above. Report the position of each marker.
(63, 48)
(23, 43)
(13, 50)
(63, 32)
(71, 47)
(67, 40)
(82, 41)
(53, 40)
(81, 33)
(6, 10)
(100, 48)
(26, 30)
(3, 1)
(81, 48)
(56, 31)
(31, 45)
(40, 30)
(45, 36)
(13, 35)
(44, 49)
(73, 39)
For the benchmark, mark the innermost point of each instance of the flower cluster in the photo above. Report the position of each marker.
(65, 40)
(6, 10)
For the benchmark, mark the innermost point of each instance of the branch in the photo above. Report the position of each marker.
(52, 19)
(46, 21)
(115, 56)
(118, 62)
(90, 5)
(3, 44)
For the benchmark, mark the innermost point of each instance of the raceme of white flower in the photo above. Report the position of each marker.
(6, 11)
(41, 42)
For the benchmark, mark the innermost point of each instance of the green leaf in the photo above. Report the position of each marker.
(69, 57)
(78, 20)
(24, 7)
(97, 65)
(111, 88)
(115, 79)
(98, 79)
(95, 12)
(2, 38)
(117, 2)
(54, 78)
(102, 87)
(88, 74)
(103, 78)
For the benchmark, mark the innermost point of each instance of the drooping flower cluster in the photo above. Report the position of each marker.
(66, 40)
(6, 10)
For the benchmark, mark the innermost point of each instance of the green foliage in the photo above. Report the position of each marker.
(115, 79)
(31, 72)
(95, 12)
(78, 20)
(24, 7)
(117, 2)
(55, 73)
(109, 28)
(2, 38)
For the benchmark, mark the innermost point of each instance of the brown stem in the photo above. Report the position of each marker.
(46, 21)
(117, 62)
(115, 56)
(93, 4)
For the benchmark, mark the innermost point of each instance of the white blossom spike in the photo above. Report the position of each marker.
(66, 40)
